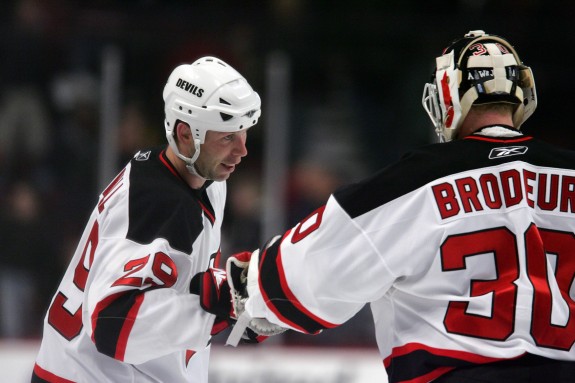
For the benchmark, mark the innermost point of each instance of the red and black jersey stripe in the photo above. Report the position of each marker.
(279, 297)
(417, 363)
(113, 319)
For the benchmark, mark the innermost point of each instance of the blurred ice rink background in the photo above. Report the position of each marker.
(249, 365)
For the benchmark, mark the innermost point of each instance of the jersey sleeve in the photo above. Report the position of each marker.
(138, 306)
(321, 273)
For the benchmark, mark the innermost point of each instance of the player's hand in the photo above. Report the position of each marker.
(214, 292)
(216, 288)
(242, 271)
(237, 273)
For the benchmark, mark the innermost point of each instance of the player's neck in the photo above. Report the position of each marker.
(192, 180)
(477, 120)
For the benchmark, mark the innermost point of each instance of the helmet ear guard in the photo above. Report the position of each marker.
(527, 84)
(477, 69)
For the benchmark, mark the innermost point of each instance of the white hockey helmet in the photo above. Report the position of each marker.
(477, 69)
(208, 95)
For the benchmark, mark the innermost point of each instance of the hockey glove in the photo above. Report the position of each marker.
(242, 269)
(237, 271)
(215, 289)
(215, 297)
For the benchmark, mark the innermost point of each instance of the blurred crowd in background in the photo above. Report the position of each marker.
(357, 71)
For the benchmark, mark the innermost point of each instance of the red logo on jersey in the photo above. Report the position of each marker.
(308, 225)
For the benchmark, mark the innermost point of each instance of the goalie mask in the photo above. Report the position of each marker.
(477, 69)
(208, 95)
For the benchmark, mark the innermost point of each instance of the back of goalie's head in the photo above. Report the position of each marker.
(477, 69)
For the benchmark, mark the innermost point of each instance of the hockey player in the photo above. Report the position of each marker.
(465, 250)
(125, 310)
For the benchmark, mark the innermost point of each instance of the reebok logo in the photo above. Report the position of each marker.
(142, 156)
(507, 152)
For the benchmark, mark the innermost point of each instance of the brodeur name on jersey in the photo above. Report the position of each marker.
(451, 281)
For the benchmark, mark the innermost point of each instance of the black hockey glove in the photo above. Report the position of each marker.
(216, 292)
(215, 297)
(223, 293)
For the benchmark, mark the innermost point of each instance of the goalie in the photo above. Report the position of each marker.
(463, 249)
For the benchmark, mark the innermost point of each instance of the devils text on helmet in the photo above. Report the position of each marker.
(189, 87)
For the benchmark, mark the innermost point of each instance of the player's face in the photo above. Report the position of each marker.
(220, 154)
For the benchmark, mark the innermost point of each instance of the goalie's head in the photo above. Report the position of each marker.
(477, 69)
(208, 95)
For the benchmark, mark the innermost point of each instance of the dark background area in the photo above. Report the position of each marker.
(356, 82)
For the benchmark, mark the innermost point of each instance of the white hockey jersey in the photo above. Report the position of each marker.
(465, 251)
(123, 311)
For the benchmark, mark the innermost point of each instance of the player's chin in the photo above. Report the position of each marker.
(224, 172)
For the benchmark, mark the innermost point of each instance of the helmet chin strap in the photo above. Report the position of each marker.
(190, 162)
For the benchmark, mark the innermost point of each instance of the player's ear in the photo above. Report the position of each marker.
(183, 133)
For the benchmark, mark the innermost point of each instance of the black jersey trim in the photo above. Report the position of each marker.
(39, 375)
(279, 298)
(500, 140)
(200, 194)
(526, 368)
(168, 164)
(162, 205)
(205, 203)
(419, 363)
(113, 320)
(428, 163)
